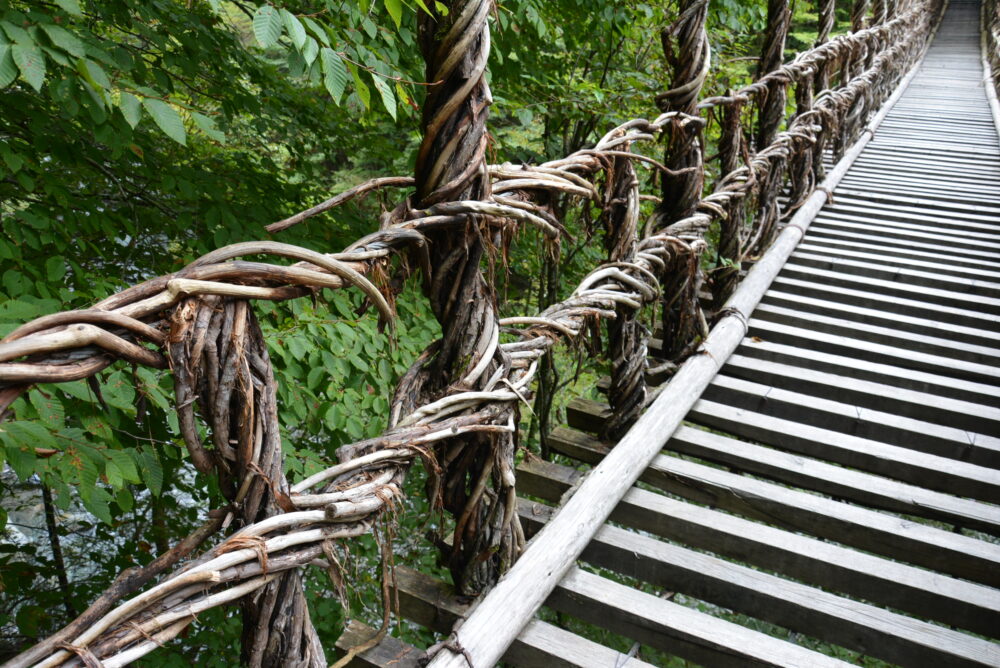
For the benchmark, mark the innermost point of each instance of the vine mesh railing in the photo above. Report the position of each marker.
(456, 409)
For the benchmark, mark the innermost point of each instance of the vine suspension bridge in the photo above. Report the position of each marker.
(812, 443)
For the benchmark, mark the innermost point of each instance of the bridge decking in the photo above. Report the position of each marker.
(838, 479)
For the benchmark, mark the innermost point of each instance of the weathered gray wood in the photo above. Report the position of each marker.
(860, 627)
(911, 262)
(876, 532)
(389, 653)
(867, 360)
(928, 407)
(812, 561)
(893, 338)
(978, 309)
(966, 256)
(790, 294)
(674, 628)
(851, 436)
(869, 297)
(980, 286)
(919, 226)
(433, 604)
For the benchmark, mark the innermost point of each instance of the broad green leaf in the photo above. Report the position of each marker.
(131, 108)
(65, 40)
(310, 51)
(395, 9)
(208, 126)
(113, 475)
(71, 6)
(334, 73)
(125, 463)
(317, 30)
(96, 501)
(50, 409)
(385, 92)
(55, 268)
(95, 74)
(167, 118)
(267, 26)
(363, 93)
(14, 161)
(31, 63)
(31, 434)
(151, 470)
(8, 70)
(296, 31)
(18, 34)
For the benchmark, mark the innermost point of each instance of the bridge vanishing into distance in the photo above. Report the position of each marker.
(838, 478)
(813, 480)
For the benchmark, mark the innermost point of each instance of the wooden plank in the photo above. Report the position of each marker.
(848, 196)
(843, 433)
(390, 652)
(900, 338)
(906, 274)
(927, 192)
(966, 256)
(809, 560)
(791, 293)
(870, 297)
(924, 227)
(913, 261)
(870, 395)
(433, 603)
(673, 628)
(875, 362)
(858, 626)
(976, 308)
(875, 532)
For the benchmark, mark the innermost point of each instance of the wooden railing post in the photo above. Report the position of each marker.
(772, 110)
(220, 362)
(451, 166)
(687, 51)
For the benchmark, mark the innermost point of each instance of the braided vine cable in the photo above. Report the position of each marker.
(688, 52)
(451, 165)
(772, 111)
(627, 336)
(827, 17)
(346, 498)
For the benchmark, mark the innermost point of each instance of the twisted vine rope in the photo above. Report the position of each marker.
(447, 402)
(687, 50)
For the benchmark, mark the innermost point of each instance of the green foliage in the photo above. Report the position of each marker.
(136, 135)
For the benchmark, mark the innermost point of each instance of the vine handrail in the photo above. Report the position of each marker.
(457, 407)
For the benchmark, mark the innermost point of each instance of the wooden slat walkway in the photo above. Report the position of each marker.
(837, 484)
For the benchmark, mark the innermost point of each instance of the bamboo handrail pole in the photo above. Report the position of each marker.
(500, 615)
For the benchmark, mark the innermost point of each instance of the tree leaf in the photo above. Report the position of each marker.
(131, 108)
(71, 6)
(55, 268)
(395, 9)
(208, 126)
(65, 40)
(295, 29)
(317, 30)
(151, 470)
(167, 118)
(267, 26)
(8, 70)
(334, 73)
(385, 92)
(310, 52)
(31, 63)
(363, 93)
